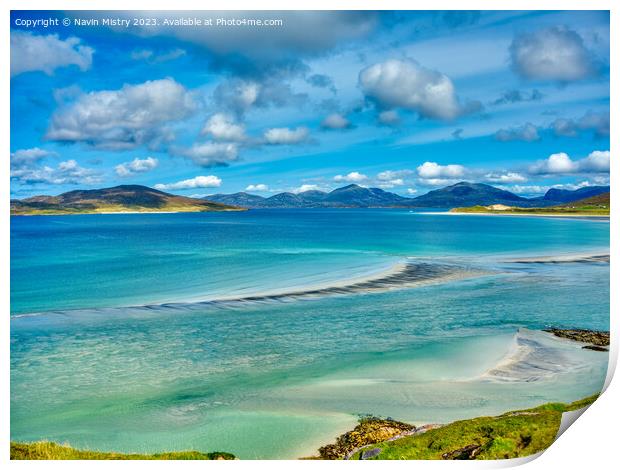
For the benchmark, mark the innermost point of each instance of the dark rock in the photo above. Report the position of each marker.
(370, 453)
(597, 338)
(464, 453)
(595, 348)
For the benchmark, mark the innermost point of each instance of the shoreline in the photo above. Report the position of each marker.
(510, 214)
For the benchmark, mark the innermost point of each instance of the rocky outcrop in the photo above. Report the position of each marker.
(368, 431)
(596, 339)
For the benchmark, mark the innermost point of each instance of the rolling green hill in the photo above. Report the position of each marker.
(118, 199)
(592, 206)
(51, 451)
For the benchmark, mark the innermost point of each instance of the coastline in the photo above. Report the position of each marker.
(561, 216)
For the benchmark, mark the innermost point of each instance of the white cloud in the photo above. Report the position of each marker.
(125, 118)
(597, 122)
(561, 163)
(30, 53)
(412, 191)
(597, 161)
(193, 183)
(390, 175)
(533, 190)
(527, 133)
(432, 170)
(67, 172)
(527, 189)
(30, 156)
(388, 184)
(151, 56)
(257, 187)
(306, 187)
(239, 96)
(142, 54)
(556, 163)
(406, 84)
(223, 127)
(336, 121)
(557, 53)
(209, 153)
(286, 136)
(389, 118)
(504, 178)
(136, 166)
(353, 177)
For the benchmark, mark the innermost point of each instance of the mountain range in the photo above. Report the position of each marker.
(135, 198)
(456, 195)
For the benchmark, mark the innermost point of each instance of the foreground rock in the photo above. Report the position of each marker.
(596, 339)
(368, 431)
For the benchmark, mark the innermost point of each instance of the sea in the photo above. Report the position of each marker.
(267, 333)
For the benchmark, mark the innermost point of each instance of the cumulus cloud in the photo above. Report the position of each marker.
(137, 165)
(335, 121)
(527, 132)
(67, 172)
(210, 181)
(30, 53)
(596, 122)
(411, 191)
(257, 187)
(432, 170)
(209, 154)
(353, 177)
(505, 178)
(561, 163)
(222, 127)
(597, 161)
(408, 85)
(286, 136)
(556, 53)
(125, 118)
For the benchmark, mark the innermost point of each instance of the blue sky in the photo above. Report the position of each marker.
(405, 101)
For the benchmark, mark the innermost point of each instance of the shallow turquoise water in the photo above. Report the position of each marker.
(276, 379)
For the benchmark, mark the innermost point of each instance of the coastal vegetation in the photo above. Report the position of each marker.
(594, 206)
(510, 435)
(43, 450)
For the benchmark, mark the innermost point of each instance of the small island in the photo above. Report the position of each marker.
(595, 206)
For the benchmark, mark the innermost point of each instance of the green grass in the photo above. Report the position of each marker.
(51, 451)
(595, 205)
(514, 434)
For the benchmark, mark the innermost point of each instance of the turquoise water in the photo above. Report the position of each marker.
(126, 333)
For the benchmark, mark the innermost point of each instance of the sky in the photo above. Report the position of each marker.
(266, 102)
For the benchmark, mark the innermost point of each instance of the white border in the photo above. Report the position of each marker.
(590, 444)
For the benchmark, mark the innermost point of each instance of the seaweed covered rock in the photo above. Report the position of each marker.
(596, 338)
(369, 431)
